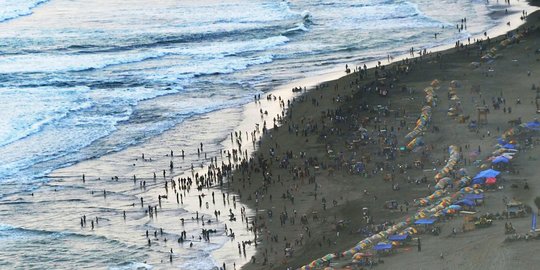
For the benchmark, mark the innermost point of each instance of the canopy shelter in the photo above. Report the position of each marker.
(382, 246)
(487, 173)
(500, 159)
(398, 237)
(534, 125)
(329, 257)
(465, 202)
(425, 221)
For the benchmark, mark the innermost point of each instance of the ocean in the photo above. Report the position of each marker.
(82, 79)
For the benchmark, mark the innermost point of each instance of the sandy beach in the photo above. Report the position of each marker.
(311, 198)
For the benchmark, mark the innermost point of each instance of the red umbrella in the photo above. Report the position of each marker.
(491, 181)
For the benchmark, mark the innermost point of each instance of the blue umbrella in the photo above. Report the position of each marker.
(509, 146)
(500, 159)
(479, 181)
(466, 202)
(487, 173)
(533, 125)
(455, 207)
(382, 246)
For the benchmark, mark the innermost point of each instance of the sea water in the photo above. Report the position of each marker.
(80, 79)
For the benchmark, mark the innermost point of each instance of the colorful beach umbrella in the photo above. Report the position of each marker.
(491, 180)
(329, 257)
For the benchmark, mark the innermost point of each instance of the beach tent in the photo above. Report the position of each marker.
(382, 246)
(487, 173)
(398, 237)
(425, 221)
(500, 159)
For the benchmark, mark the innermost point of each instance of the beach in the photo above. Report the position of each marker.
(331, 196)
(276, 179)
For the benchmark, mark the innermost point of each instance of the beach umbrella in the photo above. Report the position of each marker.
(455, 207)
(491, 180)
(487, 173)
(478, 181)
(534, 125)
(509, 146)
(348, 252)
(315, 263)
(508, 155)
(500, 159)
(358, 256)
(477, 189)
(382, 246)
(466, 202)
(328, 257)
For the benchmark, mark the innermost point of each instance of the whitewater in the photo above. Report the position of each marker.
(80, 80)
